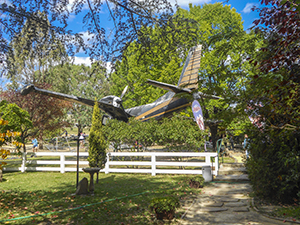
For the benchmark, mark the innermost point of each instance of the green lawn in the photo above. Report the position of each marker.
(118, 199)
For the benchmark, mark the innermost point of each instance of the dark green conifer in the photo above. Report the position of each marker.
(97, 142)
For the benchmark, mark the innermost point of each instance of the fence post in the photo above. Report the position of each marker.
(23, 162)
(62, 163)
(207, 160)
(107, 164)
(217, 164)
(153, 164)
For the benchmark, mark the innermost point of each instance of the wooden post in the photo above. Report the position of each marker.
(107, 164)
(62, 163)
(153, 166)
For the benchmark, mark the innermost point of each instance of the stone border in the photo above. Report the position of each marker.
(188, 209)
(272, 217)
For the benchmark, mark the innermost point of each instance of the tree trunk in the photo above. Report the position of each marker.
(24, 146)
(214, 132)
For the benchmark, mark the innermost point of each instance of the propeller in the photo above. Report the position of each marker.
(123, 92)
(119, 99)
(122, 95)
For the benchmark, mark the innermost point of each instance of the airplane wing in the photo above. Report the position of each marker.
(114, 112)
(168, 87)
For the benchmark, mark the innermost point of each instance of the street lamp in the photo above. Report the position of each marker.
(80, 127)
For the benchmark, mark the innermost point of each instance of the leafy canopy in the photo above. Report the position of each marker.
(14, 115)
(128, 18)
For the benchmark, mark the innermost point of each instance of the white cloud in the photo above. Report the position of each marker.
(5, 1)
(71, 3)
(185, 3)
(86, 36)
(87, 62)
(248, 7)
(82, 60)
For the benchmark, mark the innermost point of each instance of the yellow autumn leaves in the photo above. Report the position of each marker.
(9, 134)
(3, 122)
(4, 138)
(3, 153)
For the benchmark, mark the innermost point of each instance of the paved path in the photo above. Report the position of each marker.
(225, 203)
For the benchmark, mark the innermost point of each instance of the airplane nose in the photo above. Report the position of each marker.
(27, 89)
(118, 100)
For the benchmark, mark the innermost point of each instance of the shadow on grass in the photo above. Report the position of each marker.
(119, 198)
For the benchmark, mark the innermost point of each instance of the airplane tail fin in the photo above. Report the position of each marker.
(189, 75)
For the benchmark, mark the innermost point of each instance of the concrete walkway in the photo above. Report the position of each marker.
(225, 203)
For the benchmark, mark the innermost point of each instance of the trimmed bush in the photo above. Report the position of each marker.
(97, 142)
(274, 164)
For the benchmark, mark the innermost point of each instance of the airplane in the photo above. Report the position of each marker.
(164, 106)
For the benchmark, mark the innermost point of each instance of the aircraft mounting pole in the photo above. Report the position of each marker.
(78, 135)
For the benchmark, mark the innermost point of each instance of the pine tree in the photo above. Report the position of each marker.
(97, 142)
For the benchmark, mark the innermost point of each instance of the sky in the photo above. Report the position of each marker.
(242, 7)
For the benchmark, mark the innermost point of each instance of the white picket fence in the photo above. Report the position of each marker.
(153, 162)
(150, 160)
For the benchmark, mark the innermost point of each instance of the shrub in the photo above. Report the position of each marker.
(196, 182)
(274, 164)
(97, 142)
(164, 204)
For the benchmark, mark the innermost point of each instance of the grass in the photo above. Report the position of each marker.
(285, 212)
(115, 201)
(32, 161)
(291, 212)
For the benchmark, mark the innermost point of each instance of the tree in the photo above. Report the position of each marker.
(181, 134)
(97, 142)
(279, 59)
(18, 120)
(6, 135)
(176, 133)
(33, 52)
(128, 18)
(273, 98)
(135, 69)
(83, 81)
(46, 113)
(224, 69)
(3, 152)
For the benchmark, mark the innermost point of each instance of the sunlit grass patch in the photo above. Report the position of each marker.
(119, 198)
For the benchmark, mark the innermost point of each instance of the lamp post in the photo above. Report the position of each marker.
(78, 125)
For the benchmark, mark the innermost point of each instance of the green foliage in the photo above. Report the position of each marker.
(18, 120)
(34, 50)
(274, 164)
(47, 114)
(134, 70)
(83, 81)
(224, 69)
(180, 134)
(198, 178)
(176, 133)
(17, 117)
(117, 133)
(164, 204)
(292, 212)
(97, 142)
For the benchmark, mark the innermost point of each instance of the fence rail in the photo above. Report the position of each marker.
(152, 160)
